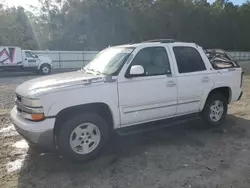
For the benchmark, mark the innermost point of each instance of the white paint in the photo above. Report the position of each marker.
(130, 100)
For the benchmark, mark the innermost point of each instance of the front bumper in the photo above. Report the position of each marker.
(36, 133)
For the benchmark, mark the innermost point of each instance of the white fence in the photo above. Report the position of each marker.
(77, 59)
(68, 59)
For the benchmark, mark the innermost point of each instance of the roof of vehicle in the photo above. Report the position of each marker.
(151, 42)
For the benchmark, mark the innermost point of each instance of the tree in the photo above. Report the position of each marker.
(96, 24)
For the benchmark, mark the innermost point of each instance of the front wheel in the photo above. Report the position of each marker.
(82, 137)
(215, 109)
(45, 69)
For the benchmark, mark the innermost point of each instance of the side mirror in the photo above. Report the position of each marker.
(136, 70)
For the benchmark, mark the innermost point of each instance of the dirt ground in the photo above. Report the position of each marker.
(185, 155)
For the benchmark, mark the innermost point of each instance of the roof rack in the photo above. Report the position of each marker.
(161, 40)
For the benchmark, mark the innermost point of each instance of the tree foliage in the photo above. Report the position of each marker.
(96, 24)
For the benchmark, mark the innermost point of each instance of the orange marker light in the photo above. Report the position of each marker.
(37, 116)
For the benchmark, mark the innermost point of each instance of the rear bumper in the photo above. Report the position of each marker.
(36, 133)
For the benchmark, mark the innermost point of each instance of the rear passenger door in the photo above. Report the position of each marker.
(193, 79)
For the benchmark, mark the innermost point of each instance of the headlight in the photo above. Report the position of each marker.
(30, 108)
(31, 102)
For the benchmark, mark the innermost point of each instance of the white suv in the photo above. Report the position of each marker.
(123, 87)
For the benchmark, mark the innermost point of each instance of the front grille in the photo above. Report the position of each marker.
(23, 108)
(19, 105)
(18, 102)
(18, 98)
(19, 109)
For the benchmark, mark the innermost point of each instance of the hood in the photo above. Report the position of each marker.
(38, 86)
(45, 59)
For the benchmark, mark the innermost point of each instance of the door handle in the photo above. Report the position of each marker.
(205, 79)
(170, 84)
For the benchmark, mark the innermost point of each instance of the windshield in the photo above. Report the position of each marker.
(109, 61)
(30, 54)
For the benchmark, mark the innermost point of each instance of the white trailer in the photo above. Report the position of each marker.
(12, 57)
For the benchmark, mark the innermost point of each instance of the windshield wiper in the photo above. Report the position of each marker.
(92, 71)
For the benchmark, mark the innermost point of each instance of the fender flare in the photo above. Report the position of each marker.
(213, 89)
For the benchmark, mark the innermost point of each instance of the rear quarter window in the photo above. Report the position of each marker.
(188, 59)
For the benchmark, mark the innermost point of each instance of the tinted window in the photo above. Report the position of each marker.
(154, 60)
(188, 60)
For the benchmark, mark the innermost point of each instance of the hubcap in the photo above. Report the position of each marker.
(45, 70)
(85, 138)
(216, 111)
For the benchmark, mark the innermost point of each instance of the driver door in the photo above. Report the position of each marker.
(30, 59)
(151, 96)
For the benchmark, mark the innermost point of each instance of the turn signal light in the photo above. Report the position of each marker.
(37, 117)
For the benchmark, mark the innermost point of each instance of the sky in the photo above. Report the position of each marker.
(236, 2)
(26, 3)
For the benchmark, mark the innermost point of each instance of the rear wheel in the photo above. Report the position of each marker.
(82, 137)
(215, 109)
(45, 69)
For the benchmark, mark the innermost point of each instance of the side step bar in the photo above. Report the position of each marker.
(136, 129)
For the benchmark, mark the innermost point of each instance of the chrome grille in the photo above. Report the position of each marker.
(22, 108)
(18, 101)
(18, 98)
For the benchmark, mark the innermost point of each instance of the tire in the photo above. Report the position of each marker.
(71, 145)
(215, 110)
(45, 69)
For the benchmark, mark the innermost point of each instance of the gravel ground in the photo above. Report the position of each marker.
(7, 96)
(179, 156)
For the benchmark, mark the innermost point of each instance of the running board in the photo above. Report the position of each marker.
(140, 128)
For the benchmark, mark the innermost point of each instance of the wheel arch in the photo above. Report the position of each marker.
(100, 108)
(43, 63)
(226, 91)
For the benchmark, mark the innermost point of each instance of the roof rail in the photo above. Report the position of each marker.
(161, 40)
